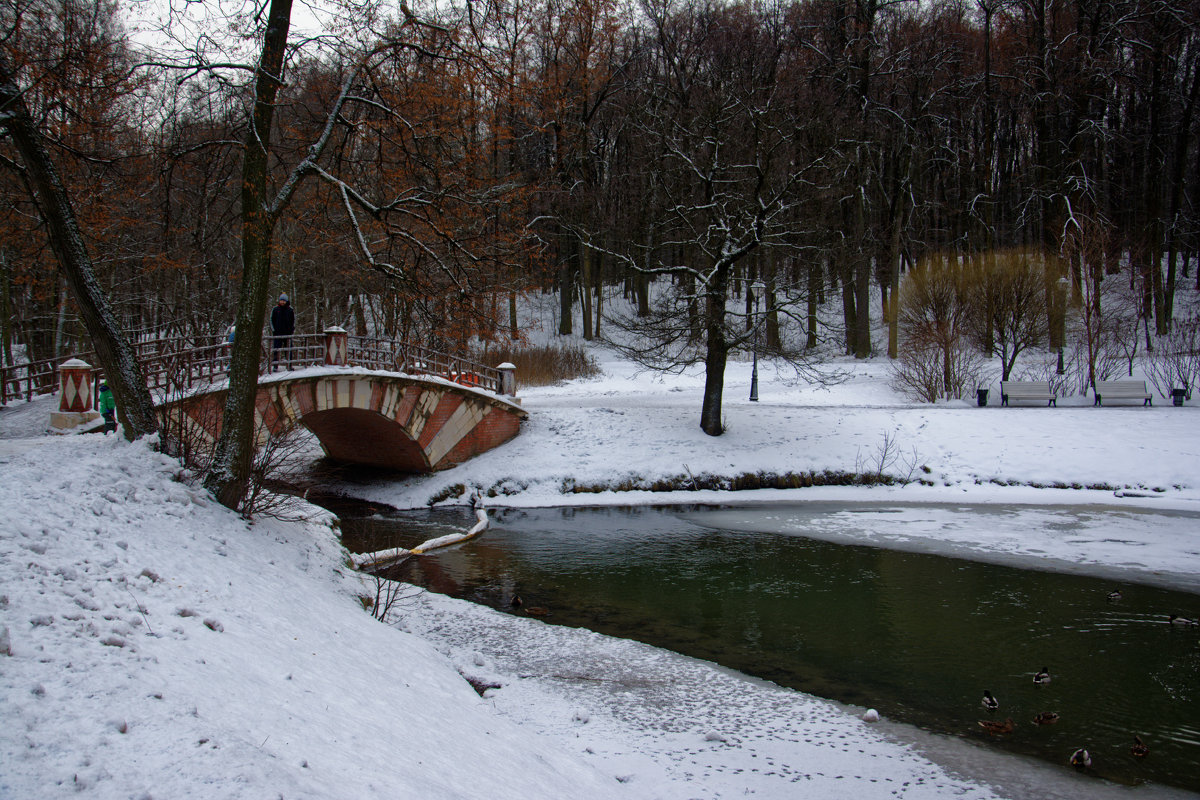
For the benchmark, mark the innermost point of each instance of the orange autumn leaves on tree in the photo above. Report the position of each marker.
(440, 220)
(74, 67)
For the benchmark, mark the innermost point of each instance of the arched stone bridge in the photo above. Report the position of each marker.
(403, 422)
(369, 401)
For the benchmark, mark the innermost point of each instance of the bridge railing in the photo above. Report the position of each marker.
(172, 365)
(171, 369)
(23, 381)
(412, 359)
(26, 380)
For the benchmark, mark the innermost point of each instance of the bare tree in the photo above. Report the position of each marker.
(936, 359)
(1008, 303)
(272, 176)
(1175, 362)
(723, 174)
(229, 475)
(135, 407)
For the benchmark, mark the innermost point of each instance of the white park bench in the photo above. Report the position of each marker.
(1122, 390)
(1027, 390)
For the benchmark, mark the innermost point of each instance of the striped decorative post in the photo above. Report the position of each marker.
(336, 347)
(508, 378)
(75, 401)
(75, 385)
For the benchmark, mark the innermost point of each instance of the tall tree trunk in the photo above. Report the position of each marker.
(61, 347)
(566, 291)
(229, 475)
(893, 257)
(862, 282)
(1154, 157)
(1178, 174)
(6, 315)
(716, 353)
(116, 355)
(641, 288)
(815, 275)
(769, 308)
(585, 289)
(849, 314)
(598, 277)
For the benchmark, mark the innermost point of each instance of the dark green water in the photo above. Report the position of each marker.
(917, 636)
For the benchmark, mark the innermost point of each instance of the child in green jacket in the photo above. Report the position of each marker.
(107, 407)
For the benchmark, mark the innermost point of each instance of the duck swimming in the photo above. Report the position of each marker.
(1114, 595)
(996, 728)
(989, 702)
(1042, 677)
(1046, 718)
(1175, 619)
(1139, 749)
(1081, 758)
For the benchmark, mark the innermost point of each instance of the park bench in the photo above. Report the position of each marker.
(1027, 390)
(1122, 390)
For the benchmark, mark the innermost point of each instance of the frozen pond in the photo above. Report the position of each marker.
(793, 594)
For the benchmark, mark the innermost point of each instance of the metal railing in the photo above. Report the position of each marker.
(29, 379)
(23, 381)
(412, 359)
(174, 364)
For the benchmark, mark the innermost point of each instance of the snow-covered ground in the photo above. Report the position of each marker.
(157, 646)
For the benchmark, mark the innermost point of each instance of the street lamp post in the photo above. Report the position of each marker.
(756, 289)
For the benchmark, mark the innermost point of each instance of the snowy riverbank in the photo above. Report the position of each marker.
(161, 647)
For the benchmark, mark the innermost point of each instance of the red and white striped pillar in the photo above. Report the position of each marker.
(336, 347)
(75, 400)
(75, 385)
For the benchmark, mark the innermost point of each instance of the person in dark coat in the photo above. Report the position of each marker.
(283, 325)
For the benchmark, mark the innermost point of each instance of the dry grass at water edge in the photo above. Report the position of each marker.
(543, 366)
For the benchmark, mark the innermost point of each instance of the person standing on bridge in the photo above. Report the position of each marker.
(283, 325)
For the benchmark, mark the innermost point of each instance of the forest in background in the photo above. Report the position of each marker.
(975, 178)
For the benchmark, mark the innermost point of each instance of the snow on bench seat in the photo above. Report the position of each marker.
(1027, 390)
(1123, 390)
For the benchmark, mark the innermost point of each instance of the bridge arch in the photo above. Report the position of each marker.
(412, 423)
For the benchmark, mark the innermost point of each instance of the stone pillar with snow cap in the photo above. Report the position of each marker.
(75, 401)
(336, 347)
(508, 378)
